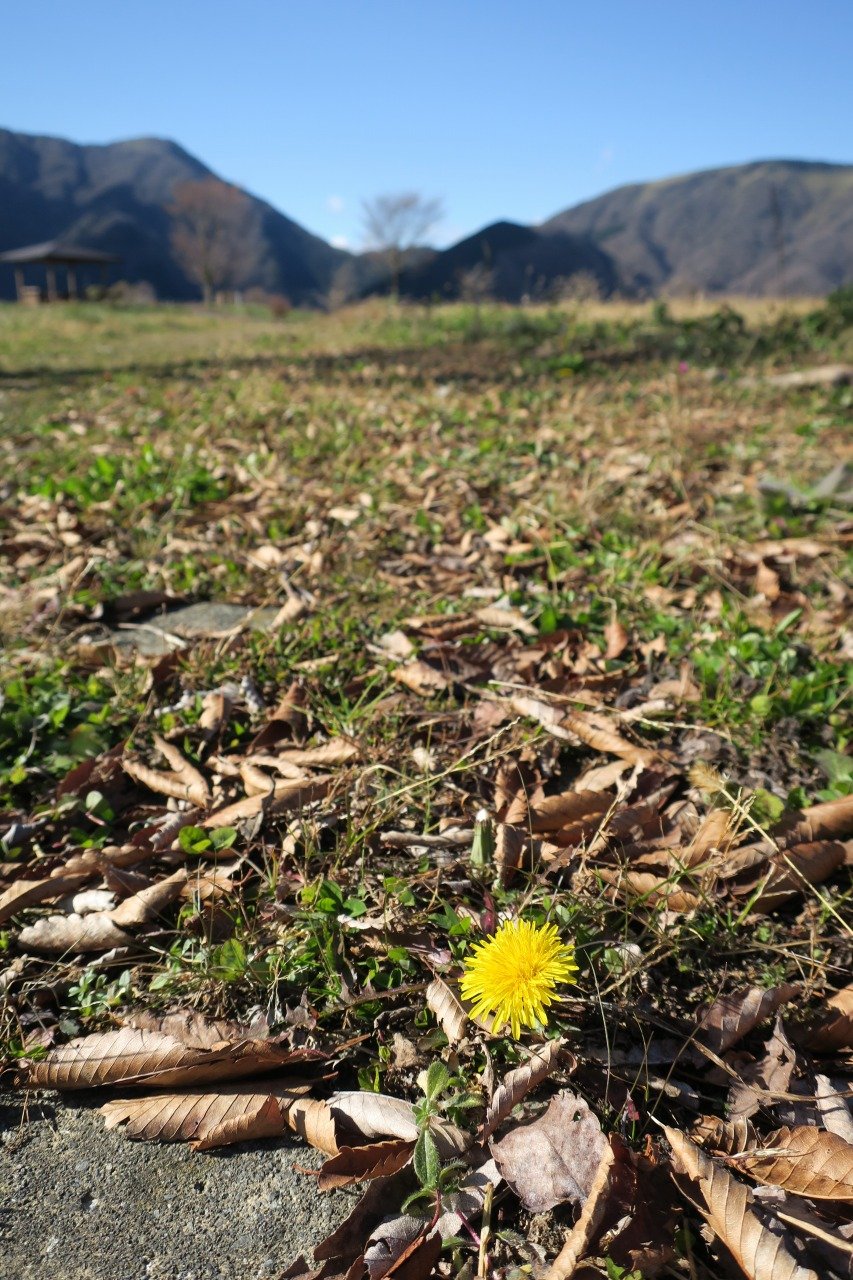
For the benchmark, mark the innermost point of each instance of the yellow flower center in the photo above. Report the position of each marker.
(514, 975)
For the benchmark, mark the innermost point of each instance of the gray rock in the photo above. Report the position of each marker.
(80, 1203)
(825, 375)
(835, 487)
(838, 480)
(164, 632)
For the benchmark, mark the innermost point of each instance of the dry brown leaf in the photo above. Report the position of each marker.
(832, 1029)
(283, 796)
(578, 1239)
(163, 784)
(835, 1249)
(377, 1115)
(603, 738)
(149, 903)
(654, 889)
(767, 581)
(124, 883)
(615, 637)
(337, 751)
(602, 777)
(772, 1075)
(56, 934)
(362, 1164)
(793, 871)
(683, 689)
(442, 626)
(807, 548)
(300, 1269)
(28, 893)
(518, 1083)
(727, 1206)
(294, 607)
(289, 720)
(742, 860)
(543, 713)
(192, 1028)
(716, 832)
(312, 1119)
(514, 783)
(197, 789)
(421, 678)
(551, 813)
(732, 1017)
(465, 1204)
(405, 1247)
(517, 812)
(833, 1108)
(128, 1056)
(497, 618)
(233, 1113)
(832, 820)
(255, 781)
(805, 1161)
(211, 882)
(346, 1242)
(555, 1158)
(724, 1137)
(263, 761)
(451, 838)
(448, 1009)
(509, 849)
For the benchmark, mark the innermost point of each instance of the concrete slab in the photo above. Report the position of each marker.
(80, 1203)
(162, 633)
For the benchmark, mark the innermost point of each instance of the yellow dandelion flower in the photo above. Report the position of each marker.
(514, 974)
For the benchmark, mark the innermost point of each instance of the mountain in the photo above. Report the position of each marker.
(774, 227)
(116, 197)
(508, 261)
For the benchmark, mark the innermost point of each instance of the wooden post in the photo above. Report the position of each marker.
(51, 284)
(71, 277)
(19, 283)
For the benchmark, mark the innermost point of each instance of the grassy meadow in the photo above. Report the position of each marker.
(518, 557)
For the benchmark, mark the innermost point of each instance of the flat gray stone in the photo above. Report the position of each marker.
(164, 632)
(835, 487)
(825, 375)
(80, 1203)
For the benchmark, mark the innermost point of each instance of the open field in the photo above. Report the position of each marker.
(581, 569)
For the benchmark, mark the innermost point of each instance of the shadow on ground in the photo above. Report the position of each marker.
(472, 363)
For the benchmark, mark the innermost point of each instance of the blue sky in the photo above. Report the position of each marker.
(504, 109)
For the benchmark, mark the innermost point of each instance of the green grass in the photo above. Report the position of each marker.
(391, 462)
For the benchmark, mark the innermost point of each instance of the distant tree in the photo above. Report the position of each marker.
(396, 223)
(344, 287)
(576, 289)
(477, 283)
(209, 223)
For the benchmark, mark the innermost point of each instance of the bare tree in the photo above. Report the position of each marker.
(209, 224)
(344, 287)
(578, 288)
(477, 283)
(393, 224)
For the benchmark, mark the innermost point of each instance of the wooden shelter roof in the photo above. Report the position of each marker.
(58, 253)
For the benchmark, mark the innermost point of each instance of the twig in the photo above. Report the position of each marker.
(485, 1231)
